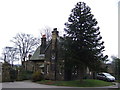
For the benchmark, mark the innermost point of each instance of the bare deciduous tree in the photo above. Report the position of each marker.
(26, 44)
(10, 54)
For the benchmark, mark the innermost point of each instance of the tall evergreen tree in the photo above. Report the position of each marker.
(84, 47)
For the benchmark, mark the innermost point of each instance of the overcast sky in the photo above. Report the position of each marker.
(31, 16)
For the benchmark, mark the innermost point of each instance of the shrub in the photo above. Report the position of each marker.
(37, 76)
(24, 75)
(13, 74)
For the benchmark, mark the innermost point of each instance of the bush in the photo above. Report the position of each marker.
(37, 76)
(13, 74)
(24, 75)
(8, 73)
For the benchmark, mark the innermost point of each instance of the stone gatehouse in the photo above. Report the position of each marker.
(48, 58)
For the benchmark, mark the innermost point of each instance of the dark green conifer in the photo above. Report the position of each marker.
(84, 47)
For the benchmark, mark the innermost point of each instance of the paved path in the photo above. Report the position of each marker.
(25, 84)
(28, 84)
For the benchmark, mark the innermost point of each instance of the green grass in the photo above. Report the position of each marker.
(85, 83)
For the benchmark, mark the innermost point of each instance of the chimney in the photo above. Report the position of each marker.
(54, 37)
(43, 44)
(55, 32)
(43, 41)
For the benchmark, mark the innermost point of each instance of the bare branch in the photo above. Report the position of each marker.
(10, 54)
(26, 43)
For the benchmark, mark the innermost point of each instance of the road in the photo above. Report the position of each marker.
(29, 84)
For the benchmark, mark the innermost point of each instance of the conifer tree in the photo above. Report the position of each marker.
(85, 48)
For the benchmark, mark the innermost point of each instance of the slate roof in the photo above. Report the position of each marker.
(36, 54)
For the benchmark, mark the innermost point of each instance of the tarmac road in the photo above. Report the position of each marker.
(29, 84)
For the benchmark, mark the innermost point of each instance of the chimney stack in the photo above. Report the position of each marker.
(55, 32)
(43, 41)
(43, 44)
(54, 37)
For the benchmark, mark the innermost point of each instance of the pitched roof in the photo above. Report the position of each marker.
(36, 55)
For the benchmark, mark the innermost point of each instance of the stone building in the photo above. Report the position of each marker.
(48, 58)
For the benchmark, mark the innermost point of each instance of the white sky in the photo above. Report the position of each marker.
(31, 16)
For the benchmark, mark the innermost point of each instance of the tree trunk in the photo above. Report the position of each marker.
(23, 63)
(81, 73)
(67, 72)
(67, 75)
(94, 75)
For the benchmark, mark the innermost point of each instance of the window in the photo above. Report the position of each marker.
(47, 68)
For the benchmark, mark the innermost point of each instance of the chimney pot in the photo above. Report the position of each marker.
(43, 36)
(55, 29)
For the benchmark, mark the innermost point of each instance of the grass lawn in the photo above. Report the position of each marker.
(85, 83)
